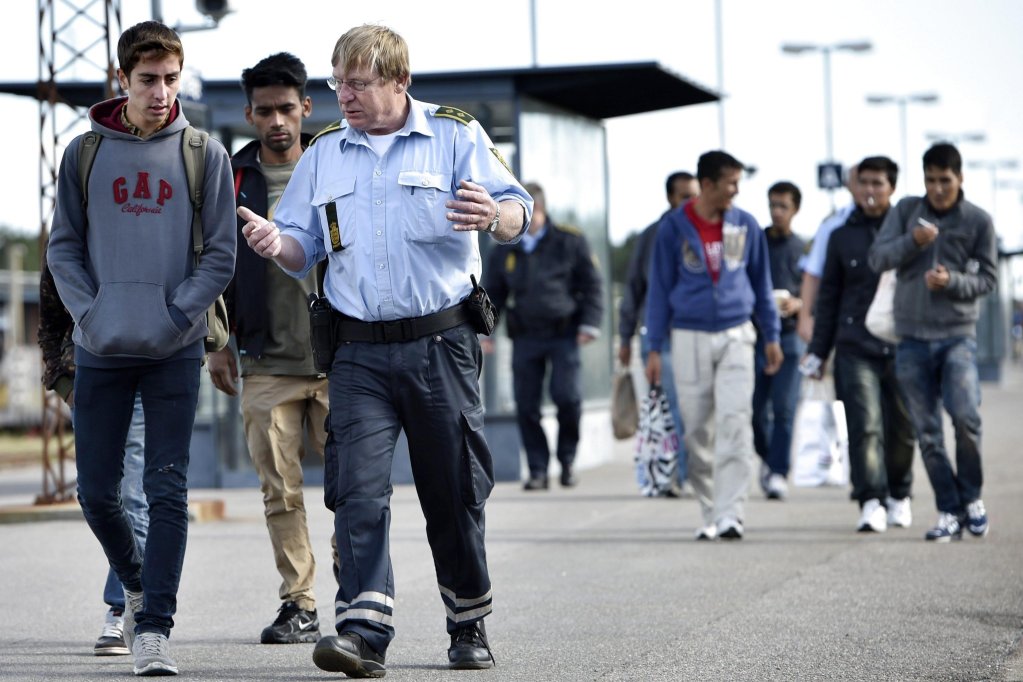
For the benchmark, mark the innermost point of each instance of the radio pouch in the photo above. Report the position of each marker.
(480, 309)
(321, 332)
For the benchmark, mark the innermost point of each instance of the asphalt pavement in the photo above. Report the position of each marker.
(590, 583)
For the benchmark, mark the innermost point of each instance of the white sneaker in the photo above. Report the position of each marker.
(151, 654)
(708, 532)
(132, 605)
(111, 639)
(873, 518)
(899, 513)
(730, 528)
(777, 487)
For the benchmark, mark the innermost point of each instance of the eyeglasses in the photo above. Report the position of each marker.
(354, 85)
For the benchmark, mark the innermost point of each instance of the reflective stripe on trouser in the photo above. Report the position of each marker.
(714, 380)
(277, 412)
(429, 387)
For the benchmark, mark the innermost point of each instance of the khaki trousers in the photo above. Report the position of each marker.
(277, 411)
(714, 380)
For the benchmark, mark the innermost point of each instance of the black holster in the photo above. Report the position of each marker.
(321, 332)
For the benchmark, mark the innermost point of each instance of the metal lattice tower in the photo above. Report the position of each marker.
(76, 39)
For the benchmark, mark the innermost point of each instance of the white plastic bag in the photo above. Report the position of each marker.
(820, 440)
(656, 445)
(880, 320)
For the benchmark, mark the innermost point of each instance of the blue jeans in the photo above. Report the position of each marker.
(774, 403)
(530, 357)
(880, 432)
(936, 373)
(671, 392)
(132, 497)
(104, 403)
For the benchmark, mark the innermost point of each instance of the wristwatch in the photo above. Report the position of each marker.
(492, 227)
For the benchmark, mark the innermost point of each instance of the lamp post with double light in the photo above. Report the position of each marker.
(825, 51)
(903, 101)
(977, 136)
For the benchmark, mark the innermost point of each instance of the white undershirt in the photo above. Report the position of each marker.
(381, 143)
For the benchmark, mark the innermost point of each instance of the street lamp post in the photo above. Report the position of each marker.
(826, 50)
(993, 165)
(903, 101)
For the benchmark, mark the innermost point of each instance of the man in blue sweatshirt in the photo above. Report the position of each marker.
(709, 275)
(123, 264)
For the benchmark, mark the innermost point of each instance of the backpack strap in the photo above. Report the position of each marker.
(193, 149)
(87, 149)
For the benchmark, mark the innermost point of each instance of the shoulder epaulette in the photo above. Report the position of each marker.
(332, 128)
(456, 114)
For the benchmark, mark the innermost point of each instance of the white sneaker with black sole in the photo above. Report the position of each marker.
(873, 517)
(151, 653)
(707, 533)
(777, 487)
(730, 528)
(111, 639)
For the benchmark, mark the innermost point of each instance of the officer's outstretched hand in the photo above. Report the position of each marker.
(262, 236)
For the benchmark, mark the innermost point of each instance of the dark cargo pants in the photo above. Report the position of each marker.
(430, 388)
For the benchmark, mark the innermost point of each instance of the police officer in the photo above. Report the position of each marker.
(550, 290)
(386, 198)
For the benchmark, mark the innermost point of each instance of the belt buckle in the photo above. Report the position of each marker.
(391, 331)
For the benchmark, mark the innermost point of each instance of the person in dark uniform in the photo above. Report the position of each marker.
(548, 288)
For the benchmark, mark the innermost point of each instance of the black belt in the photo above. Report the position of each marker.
(397, 331)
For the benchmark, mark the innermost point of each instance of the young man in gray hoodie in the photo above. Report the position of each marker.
(944, 250)
(121, 257)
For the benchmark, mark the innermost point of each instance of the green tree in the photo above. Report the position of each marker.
(8, 235)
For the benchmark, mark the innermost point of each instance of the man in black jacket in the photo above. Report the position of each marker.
(549, 291)
(283, 396)
(880, 433)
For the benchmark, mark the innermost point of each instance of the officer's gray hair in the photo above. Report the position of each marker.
(375, 47)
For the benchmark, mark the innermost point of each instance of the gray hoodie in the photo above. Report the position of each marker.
(127, 274)
(966, 246)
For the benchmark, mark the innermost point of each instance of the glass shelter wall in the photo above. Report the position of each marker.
(566, 154)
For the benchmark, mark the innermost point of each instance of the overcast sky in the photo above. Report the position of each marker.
(969, 53)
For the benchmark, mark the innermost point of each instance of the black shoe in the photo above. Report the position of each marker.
(469, 648)
(348, 653)
(536, 483)
(293, 625)
(567, 478)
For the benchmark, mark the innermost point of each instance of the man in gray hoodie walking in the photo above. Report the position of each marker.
(944, 250)
(121, 256)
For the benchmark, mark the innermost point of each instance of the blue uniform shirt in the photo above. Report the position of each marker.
(400, 256)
